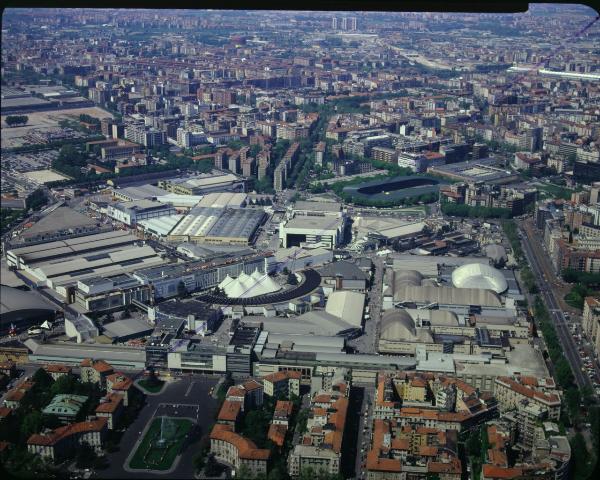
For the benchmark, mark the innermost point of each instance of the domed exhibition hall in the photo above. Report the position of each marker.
(479, 275)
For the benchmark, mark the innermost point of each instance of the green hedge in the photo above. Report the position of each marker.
(466, 211)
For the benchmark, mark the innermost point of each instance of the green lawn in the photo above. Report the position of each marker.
(148, 457)
(556, 191)
(152, 387)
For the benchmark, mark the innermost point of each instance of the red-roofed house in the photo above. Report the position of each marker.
(95, 371)
(511, 392)
(283, 412)
(111, 406)
(5, 412)
(283, 383)
(57, 443)
(230, 413)
(277, 434)
(15, 396)
(120, 383)
(57, 370)
(232, 448)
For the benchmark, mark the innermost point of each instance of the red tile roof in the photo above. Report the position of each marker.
(245, 447)
(547, 398)
(277, 434)
(57, 368)
(251, 385)
(283, 375)
(230, 411)
(62, 432)
(283, 408)
(5, 412)
(102, 367)
(112, 403)
(492, 472)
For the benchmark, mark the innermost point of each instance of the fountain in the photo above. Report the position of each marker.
(168, 429)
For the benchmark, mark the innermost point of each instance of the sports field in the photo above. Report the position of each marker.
(395, 188)
(149, 456)
(44, 176)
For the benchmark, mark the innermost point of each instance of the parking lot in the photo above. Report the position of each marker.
(44, 122)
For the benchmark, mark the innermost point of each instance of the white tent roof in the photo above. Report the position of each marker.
(245, 286)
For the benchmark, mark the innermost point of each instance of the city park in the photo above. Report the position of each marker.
(161, 444)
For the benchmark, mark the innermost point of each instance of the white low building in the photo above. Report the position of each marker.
(300, 230)
(130, 213)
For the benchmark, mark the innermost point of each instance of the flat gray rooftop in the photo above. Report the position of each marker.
(60, 219)
(126, 328)
(75, 352)
(141, 192)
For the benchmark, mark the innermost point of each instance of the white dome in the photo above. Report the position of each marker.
(479, 275)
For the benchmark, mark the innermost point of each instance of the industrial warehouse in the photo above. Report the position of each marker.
(218, 225)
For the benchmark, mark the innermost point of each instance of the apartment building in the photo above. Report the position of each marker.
(591, 321)
(65, 407)
(322, 445)
(57, 370)
(231, 448)
(385, 154)
(398, 453)
(409, 400)
(142, 135)
(56, 444)
(123, 385)
(95, 371)
(111, 407)
(14, 397)
(549, 457)
(511, 392)
(282, 384)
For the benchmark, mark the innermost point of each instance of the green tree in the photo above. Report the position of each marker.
(573, 399)
(212, 468)
(32, 423)
(42, 379)
(564, 375)
(243, 472)
(89, 119)
(36, 200)
(577, 295)
(14, 120)
(86, 456)
(66, 384)
(473, 443)
(199, 461)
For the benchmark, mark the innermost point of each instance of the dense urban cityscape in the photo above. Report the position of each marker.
(300, 245)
